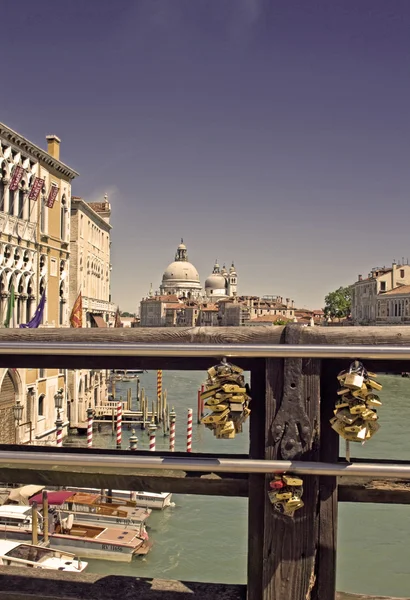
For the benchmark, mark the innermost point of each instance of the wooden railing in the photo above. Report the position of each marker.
(292, 402)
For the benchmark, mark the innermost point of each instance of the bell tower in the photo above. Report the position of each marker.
(232, 281)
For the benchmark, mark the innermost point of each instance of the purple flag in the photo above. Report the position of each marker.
(38, 315)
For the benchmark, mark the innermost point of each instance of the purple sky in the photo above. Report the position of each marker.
(274, 133)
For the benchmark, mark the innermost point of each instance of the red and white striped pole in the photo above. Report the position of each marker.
(90, 414)
(189, 431)
(59, 425)
(119, 424)
(152, 429)
(172, 420)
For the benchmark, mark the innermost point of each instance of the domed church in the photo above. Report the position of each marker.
(181, 277)
(221, 283)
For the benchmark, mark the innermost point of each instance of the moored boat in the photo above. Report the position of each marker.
(152, 500)
(92, 541)
(90, 508)
(18, 554)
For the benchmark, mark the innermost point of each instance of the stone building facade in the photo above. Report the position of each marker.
(369, 295)
(34, 258)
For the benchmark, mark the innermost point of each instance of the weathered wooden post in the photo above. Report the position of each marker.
(138, 389)
(199, 407)
(34, 524)
(282, 553)
(45, 516)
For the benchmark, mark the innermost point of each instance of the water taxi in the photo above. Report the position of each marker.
(91, 541)
(152, 500)
(17, 554)
(90, 508)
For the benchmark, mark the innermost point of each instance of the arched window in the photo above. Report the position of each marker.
(61, 304)
(41, 405)
(11, 202)
(20, 207)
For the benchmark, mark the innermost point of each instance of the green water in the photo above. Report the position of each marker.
(204, 538)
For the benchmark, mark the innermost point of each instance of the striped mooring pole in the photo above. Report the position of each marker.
(90, 414)
(159, 384)
(189, 431)
(152, 428)
(119, 424)
(59, 425)
(172, 420)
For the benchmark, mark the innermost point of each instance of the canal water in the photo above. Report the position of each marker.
(204, 538)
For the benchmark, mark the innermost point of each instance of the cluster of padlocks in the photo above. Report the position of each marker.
(286, 494)
(226, 396)
(355, 412)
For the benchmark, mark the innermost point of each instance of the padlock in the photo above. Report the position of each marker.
(374, 385)
(216, 418)
(353, 381)
(283, 496)
(208, 393)
(277, 484)
(233, 389)
(346, 416)
(373, 400)
(292, 481)
(220, 407)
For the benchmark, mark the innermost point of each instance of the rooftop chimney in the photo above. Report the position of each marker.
(53, 146)
(360, 278)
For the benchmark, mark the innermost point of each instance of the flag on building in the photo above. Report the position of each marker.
(52, 196)
(10, 309)
(76, 317)
(16, 178)
(36, 188)
(117, 322)
(38, 315)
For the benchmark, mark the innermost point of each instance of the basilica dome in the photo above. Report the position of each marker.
(180, 270)
(181, 277)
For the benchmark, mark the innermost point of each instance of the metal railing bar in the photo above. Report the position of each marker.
(205, 350)
(126, 464)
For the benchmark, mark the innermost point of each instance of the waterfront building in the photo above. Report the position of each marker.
(369, 306)
(90, 274)
(35, 199)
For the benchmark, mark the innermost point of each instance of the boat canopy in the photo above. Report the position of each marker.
(23, 493)
(53, 497)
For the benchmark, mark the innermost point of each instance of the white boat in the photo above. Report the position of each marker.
(17, 554)
(90, 508)
(92, 541)
(158, 501)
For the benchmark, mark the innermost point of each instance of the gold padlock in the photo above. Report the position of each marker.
(353, 381)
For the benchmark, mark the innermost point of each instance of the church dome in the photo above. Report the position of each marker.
(216, 281)
(180, 270)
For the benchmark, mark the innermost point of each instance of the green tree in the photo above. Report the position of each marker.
(338, 304)
(126, 314)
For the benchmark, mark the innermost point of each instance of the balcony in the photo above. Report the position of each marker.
(95, 305)
(11, 225)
